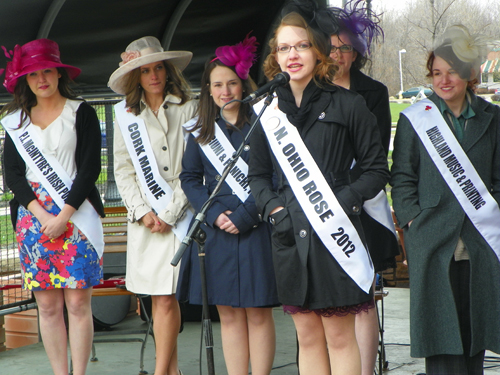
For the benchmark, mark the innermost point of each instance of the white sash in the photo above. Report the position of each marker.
(378, 209)
(457, 170)
(316, 198)
(54, 179)
(158, 191)
(219, 152)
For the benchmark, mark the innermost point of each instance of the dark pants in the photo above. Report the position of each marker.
(446, 364)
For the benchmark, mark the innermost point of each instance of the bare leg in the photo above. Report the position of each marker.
(81, 328)
(313, 354)
(52, 328)
(262, 339)
(234, 332)
(342, 346)
(166, 324)
(367, 336)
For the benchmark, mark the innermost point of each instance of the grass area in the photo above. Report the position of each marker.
(7, 235)
(396, 108)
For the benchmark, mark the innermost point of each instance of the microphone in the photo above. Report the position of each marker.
(280, 79)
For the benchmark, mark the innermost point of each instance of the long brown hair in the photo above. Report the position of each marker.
(176, 85)
(325, 69)
(208, 110)
(24, 99)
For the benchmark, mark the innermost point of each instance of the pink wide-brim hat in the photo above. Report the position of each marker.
(35, 55)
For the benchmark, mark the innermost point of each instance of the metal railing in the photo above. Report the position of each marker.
(10, 270)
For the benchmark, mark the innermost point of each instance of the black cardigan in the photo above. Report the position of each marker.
(88, 166)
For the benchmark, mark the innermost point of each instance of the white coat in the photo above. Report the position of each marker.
(149, 254)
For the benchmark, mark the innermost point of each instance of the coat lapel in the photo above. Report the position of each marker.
(477, 125)
(316, 111)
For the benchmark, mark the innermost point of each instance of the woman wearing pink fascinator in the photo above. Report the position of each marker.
(239, 265)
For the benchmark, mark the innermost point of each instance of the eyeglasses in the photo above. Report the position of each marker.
(345, 48)
(285, 48)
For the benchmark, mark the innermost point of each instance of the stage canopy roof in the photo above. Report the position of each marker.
(93, 33)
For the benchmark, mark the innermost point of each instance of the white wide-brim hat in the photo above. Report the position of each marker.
(141, 52)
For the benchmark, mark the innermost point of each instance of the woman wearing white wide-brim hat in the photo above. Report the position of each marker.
(157, 98)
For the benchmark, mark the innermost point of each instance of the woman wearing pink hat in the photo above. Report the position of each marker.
(149, 144)
(239, 271)
(52, 160)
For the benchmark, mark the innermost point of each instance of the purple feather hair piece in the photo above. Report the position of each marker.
(360, 23)
(241, 56)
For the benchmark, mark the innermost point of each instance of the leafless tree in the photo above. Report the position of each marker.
(415, 29)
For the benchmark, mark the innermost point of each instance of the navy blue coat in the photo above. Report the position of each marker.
(239, 267)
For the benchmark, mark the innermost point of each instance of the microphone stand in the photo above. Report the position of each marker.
(197, 234)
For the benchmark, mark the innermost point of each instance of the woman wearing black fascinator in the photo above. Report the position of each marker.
(309, 137)
(359, 27)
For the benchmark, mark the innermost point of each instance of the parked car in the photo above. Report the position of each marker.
(410, 93)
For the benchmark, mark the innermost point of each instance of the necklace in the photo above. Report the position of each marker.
(155, 112)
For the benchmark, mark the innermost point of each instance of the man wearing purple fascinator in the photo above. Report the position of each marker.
(358, 28)
(239, 266)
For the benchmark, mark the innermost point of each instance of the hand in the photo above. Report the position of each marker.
(224, 223)
(153, 222)
(54, 227)
(161, 227)
(149, 220)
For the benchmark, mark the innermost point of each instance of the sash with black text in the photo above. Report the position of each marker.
(53, 178)
(219, 152)
(316, 198)
(457, 170)
(157, 190)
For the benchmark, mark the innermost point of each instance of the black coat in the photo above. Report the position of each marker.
(87, 159)
(382, 243)
(376, 97)
(339, 128)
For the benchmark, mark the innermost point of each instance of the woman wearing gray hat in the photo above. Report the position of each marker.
(148, 149)
(446, 194)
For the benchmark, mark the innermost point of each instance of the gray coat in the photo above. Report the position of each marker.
(420, 194)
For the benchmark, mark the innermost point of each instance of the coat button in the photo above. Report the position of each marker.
(217, 177)
(303, 233)
(246, 148)
(322, 116)
(255, 226)
(355, 209)
(165, 169)
(260, 217)
(164, 148)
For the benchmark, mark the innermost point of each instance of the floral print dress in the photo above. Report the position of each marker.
(69, 261)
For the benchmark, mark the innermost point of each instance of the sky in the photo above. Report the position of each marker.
(387, 5)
